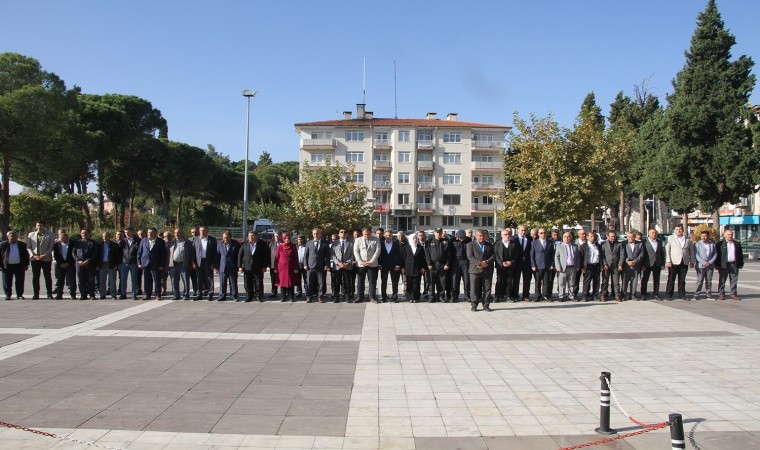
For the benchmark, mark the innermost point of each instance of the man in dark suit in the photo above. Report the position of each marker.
(481, 257)
(505, 254)
(730, 261)
(542, 263)
(591, 255)
(108, 264)
(460, 274)
(317, 257)
(439, 255)
(631, 254)
(522, 268)
(610, 273)
(151, 257)
(652, 263)
(342, 253)
(65, 266)
(15, 261)
(181, 256)
(253, 260)
(276, 240)
(227, 265)
(205, 256)
(390, 264)
(87, 254)
(129, 247)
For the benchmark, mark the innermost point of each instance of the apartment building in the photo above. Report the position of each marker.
(422, 173)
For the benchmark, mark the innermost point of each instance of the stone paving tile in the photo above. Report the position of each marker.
(55, 314)
(6, 339)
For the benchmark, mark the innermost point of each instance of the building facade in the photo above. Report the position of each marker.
(422, 173)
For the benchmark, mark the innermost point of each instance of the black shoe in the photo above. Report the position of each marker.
(474, 307)
(486, 307)
(299, 295)
(260, 300)
(222, 298)
(35, 297)
(59, 297)
(273, 295)
(211, 297)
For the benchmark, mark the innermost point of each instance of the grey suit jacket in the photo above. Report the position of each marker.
(317, 259)
(652, 257)
(635, 255)
(345, 256)
(45, 249)
(366, 250)
(705, 253)
(475, 257)
(561, 254)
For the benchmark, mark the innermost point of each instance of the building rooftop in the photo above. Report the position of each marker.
(382, 122)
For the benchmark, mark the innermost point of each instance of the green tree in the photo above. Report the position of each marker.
(327, 197)
(710, 96)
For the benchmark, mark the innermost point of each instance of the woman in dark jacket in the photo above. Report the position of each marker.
(414, 264)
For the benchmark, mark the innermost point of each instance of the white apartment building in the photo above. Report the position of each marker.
(422, 173)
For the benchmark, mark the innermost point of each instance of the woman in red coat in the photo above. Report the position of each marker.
(286, 266)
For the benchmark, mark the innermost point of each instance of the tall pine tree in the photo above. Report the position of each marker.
(704, 117)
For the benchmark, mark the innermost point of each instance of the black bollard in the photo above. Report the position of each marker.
(677, 439)
(604, 401)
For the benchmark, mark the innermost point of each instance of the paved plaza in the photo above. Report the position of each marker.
(198, 374)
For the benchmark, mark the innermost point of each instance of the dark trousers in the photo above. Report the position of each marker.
(151, 279)
(86, 279)
(205, 278)
(480, 283)
(437, 282)
(610, 282)
(550, 282)
(460, 273)
(504, 277)
(253, 281)
(13, 271)
(526, 274)
(131, 270)
(65, 276)
(340, 282)
(384, 282)
(413, 287)
(180, 273)
(303, 281)
(317, 282)
(273, 280)
(370, 273)
(629, 282)
(228, 278)
(591, 281)
(542, 282)
(194, 279)
(677, 271)
(731, 273)
(139, 279)
(655, 272)
(45, 267)
(578, 284)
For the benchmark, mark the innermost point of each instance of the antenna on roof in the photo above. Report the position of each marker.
(364, 80)
(395, 92)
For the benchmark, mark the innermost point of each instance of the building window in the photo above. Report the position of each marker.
(452, 178)
(425, 198)
(485, 221)
(482, 138)
(381, 178)
(482, 158)
(452, 137)
(452, 199)
(482, 179)
(404, 157)
(403, 199)
(403, 178)
(452, 158)
(424, 135)
(321, 134)
(424, 178)
(485, 200)
(382, 156)
(354, 135)
(381, 136)
(319, 158)
(355, 157)
(358, 177)
(403, 136)
(450, 221)
(423, 221)
(424, 156)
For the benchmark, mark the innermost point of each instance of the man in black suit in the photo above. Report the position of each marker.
(390, 264)
(522, 267)
(460, 273)
(317, 257)
(542, 263)
(730, 261)
(276, 240)
(253, 260)
(631, 255)
(439, 254)
(181, 256)
(86, 253)
(505, 255)
(610, 273)
(205, 256)
(481, 257)
(226, 264)
(65, 266)
(108, 264)
(343, 266)
(151, 258)
(14, 258)
(653, 262)
(129, 246)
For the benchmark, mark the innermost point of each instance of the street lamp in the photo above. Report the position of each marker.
(247, 94)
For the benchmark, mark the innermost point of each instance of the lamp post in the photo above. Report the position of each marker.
(247, 94)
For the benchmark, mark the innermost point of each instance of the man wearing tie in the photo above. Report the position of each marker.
(253, 260)
(481, 257)
(151, 257)
(181, 259)
(505, 255)
(108, 264)
(522, 267)
(343, 264)
(40, 246)
(705, 255)
(542, 262)
(65, 266)
(317, 258)
(654, 259)
(205, 256)
(678, 254)
(390, 264)
(227, 260)
(567, 260)
(631, 254)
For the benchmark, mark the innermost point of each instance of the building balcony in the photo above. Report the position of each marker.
(403, 207)
(487, 145)
(381, 185)
(381, 144)
(425, 144)
(318, 144)
(483, 207)
(425, 165)
(425, 186)
(381, 165)
(425, 207)
(487, 165)
(323, 163)
(492, 186)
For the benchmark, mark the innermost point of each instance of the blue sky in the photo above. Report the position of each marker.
(483, 60)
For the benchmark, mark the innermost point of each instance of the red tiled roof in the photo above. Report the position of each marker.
(418, 123)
